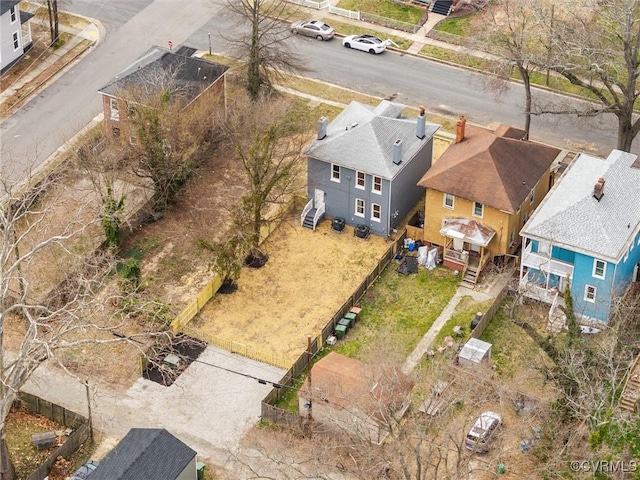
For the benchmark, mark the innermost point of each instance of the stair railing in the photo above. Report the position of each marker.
(307, 209)
(317, 216)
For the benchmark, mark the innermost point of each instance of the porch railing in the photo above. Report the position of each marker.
(318, 215)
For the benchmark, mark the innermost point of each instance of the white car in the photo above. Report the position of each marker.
(313, 28)
(366, 43)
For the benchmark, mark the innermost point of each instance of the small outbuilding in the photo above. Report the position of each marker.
(474, 352)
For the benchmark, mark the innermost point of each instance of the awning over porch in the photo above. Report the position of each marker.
(469, 231)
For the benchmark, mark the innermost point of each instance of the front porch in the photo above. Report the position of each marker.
(465, 248)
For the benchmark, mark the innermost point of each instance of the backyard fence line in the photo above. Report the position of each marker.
(488, 315)
(343, 12)
(79, 424)
(275, 414)
(311, 4)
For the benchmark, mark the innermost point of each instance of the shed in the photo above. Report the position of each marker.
(474, 352)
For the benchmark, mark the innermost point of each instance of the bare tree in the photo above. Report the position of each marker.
(54, 19)
(48, 284)
(269, 138)
(596, 46)
(263, 47)
(515, 39)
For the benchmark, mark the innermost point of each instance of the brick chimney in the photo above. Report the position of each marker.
(598, 189)
(462, 121)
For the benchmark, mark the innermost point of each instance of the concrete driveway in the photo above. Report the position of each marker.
(210, 407)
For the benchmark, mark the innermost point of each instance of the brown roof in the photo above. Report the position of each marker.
(347, 383)
(497, 169)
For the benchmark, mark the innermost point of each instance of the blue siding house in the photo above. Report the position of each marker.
(585, 235)
(364, 166)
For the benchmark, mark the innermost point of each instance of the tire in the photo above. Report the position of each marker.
(294, 32)
(348, 45)
(372, 51)
(319, 37)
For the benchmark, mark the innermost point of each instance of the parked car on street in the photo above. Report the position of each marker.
(313, 28)
(85, 470)
(366, 43)
(482, 431)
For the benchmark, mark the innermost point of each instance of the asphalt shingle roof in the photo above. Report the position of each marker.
(497, 169)
(571, 216)
(160, 68)
(361, 138)
(143, 454)
(6, 5)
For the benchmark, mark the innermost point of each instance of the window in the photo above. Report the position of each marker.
(512, 239)
(525, 217)
(599, 268)
(360, 180)
(377, 185)
(13, 14)
(532, 195)
(478, 209)
(113, 104)
(16, 41)
(590, 293)
(359, 207)
(448, 200)
(132, 113)
(335, 173)
(375, 212)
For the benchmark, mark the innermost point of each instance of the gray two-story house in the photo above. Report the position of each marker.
(363, 167)
(15, 33)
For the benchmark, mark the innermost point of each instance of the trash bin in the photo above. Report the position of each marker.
(476, 320)
(200, 469)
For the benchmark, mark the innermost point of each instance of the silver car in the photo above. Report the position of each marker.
(313, 28)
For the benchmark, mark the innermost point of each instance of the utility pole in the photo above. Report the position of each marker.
(86, 386)
(209, 35)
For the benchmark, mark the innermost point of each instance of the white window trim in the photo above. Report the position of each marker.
(13, 14)
(364, 208)
(604, 269)
(364, 180)
(453, 201)
(373, 186)
(473, 210)
(532, 196)
(333, 178)
(115, 111)
(15, 39)
(586, 293)
(373, 217)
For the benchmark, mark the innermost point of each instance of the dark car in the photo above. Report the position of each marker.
(85, 470)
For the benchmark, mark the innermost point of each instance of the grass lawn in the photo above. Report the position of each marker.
(462, 315)
(348, 29)
(457, 26)
(396, 312)
(385, 8)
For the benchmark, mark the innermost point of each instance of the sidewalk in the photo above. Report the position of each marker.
(60, 57)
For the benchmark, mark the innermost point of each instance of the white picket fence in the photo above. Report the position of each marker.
(344, 13)
(321, 5)
(311, 4)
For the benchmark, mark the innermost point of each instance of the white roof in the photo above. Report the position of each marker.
(572, 217)
(475, 350)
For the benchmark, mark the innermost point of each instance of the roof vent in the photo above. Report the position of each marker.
(397, 152)
(322, 128)
(353, 125)
(598, 189)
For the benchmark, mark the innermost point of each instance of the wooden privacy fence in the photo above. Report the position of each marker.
(79, 424)
(276, 415)
(488, 315)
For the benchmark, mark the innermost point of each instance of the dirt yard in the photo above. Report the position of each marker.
(309, 276)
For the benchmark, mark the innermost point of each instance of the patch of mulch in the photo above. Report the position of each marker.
(185, 348)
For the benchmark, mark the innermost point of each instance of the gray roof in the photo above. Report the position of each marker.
(159, 69)
(145, 453)
(570, 216)
(361, 137)
(6, 5)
